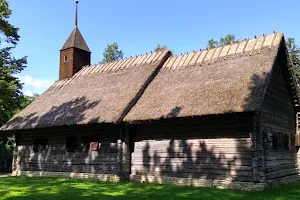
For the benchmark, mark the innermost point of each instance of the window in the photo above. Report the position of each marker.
(94, 145)
(275, 141)
(71, 143)
(40, 144)
(65, 58)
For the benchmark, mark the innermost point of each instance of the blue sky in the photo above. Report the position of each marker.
(138, 26)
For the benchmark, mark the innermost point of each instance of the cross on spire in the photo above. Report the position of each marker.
(76, 15)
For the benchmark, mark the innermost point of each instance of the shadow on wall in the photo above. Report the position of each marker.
(55, 156)
(215, 147)
(219, 149)
(199, 157)
(210, 147)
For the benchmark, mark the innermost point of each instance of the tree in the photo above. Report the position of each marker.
(160, 47)
(228, 39)
(112, 53)
(294, 52)
(212, 44)
(26, 101)
(11, 95)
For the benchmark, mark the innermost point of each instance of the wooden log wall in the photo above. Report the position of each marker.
(278, 122)
(216, 147)
(55, 157)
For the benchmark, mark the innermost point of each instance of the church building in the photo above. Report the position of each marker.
(222, 117)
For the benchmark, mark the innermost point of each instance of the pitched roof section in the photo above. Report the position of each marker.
(96, 94)
(225, 79)
(76, 40)
(246, 47)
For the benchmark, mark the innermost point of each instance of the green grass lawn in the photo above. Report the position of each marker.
(12, 188)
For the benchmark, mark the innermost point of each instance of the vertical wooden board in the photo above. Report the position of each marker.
(224, 51)
(163, 54)
(107, 66)
(195, 57)
(125, 63)
(147, 58)
(117, 66)
(100, 68)
(269, 40)
(176, 62)
(110, 67)
(128, 64)
(156, 58)
(259, 43)
(278, 39)
(150, 60)
(233, 49)
(209, 54)
(86, 71)
(170, 62)
(182, 61)
(250, 45)
(241, 46)
(136, 61)
(141, 60)
(95, 69)
(188, 59)
(217, 53)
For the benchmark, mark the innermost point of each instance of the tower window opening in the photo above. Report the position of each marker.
(65, 58)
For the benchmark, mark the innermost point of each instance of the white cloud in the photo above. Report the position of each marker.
(35, 83)
(28, 93)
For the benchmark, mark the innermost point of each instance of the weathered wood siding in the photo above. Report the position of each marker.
(278, 119)
(216, 147)
(77, 58)
(55, 157)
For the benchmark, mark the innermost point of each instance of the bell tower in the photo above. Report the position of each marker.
(74, 54)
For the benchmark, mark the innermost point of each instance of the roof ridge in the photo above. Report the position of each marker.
(210, 55)
(127, 62)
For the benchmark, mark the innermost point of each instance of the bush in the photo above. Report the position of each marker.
(6, 153)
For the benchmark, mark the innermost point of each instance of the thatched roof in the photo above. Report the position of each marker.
(227, 79)
(96, 94)
(75, 40)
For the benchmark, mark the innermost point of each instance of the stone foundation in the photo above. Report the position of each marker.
(214, 183)
(221, 184)
(101, 177)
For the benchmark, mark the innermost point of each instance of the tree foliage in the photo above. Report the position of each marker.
(11, 96)
(294, 52)
(228, 39)
(112, 53)
(160, 47)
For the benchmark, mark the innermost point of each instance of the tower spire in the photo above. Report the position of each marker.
(76, 15)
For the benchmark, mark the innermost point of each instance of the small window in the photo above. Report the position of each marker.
(39, 144)
(65, 58)
(71, 143)
(94, 145)
(275, 141)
